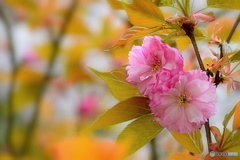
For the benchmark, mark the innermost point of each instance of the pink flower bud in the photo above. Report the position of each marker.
(204, 17)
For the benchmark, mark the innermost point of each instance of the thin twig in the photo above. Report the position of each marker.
(10, 105)
(208, 134)
(55, 50)
(218, 77)
(153, 149)
(190, 34)
(233, 29)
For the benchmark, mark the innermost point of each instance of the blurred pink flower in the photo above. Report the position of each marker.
(190, 100)
(88, 105)
(152, 63)
(30, 58)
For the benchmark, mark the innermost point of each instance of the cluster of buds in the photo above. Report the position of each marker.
(192, 20)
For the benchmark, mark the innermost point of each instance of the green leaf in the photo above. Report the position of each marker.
(144, 13)
(169, 3)
(217, 134)
(184, 156)
(183, 41)
(134, 33)
(116, 81)
(169, 36)
(27, 5)
(228, 117)
(236, 118)
(139, 132)
(191, 141)
(160, 3)
(235, 57)
(23, 96)
(236, 149)
(115, 4)
(224, 4)
(122, 112)
(236, 137)
(226, 140)
(231, 141)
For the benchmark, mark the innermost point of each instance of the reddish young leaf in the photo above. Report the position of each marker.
(134, 33)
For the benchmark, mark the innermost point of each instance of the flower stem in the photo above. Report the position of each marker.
(189, 29)
(190, 33)
(208, 134)
(218, 77)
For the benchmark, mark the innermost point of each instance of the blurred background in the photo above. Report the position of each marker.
(48, 96)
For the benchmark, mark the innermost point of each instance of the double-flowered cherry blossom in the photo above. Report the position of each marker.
(188, 103)
(181, 100)
(152, 63)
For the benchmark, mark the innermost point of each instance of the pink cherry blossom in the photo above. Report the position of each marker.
(189, 102)
(152, 63)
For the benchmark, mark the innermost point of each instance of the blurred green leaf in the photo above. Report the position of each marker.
(228, 117)
(169, 3)
(23, 96)
(224, 4)
(123, 111)
(185, 156)
(25, 4)
(235, 57)
(236, 136)
(236, 118)
(115, 4)
(77, 27)
(161, 3)
(139, 132)
(144, 13)
(191, 141)
(200, 32)
(116, 81)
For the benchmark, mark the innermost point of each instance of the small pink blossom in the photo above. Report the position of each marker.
(189, 102)
(152, 63)
(215, 39)
(192, 19)
(30, 58)
(229, 78)
(204, 17)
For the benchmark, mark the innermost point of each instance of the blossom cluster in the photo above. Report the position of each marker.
(181, 100)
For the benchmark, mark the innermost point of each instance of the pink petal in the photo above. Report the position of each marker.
(172, 114)
(193, 114)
